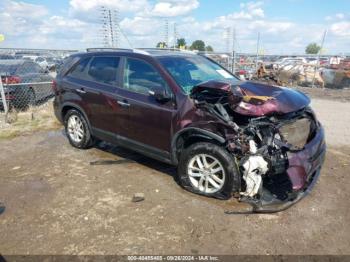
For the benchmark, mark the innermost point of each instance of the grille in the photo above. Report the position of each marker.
(296, 133)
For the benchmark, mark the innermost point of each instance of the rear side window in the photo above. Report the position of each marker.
(141, 77)
(104, 70)
(78, 70)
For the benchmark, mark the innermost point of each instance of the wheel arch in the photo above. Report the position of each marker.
(188, 136)
(68, 106)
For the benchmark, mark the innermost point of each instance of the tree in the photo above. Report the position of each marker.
(181, 43)
(312, 48)
(209, 48)
(161, 45)
(198, 45)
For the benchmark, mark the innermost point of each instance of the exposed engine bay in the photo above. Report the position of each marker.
(261, 140)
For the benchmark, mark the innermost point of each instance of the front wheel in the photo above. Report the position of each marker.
(77, 129)
(208, 169)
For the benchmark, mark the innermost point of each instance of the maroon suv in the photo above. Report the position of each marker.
(260, 143)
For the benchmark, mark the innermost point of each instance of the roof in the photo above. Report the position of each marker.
(12, 61)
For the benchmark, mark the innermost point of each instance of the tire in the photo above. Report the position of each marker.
(30, 99)
(189, 160)
(344, 83)
(79, 137)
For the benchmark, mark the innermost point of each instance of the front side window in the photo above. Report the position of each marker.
(141, 77)
(104, 70)
(191, 70)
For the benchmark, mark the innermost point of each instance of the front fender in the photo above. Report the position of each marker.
(196, 132)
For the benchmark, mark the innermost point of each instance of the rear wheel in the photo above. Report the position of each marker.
(24, 99)
(208, 169)
(31, 98)
(77, 130)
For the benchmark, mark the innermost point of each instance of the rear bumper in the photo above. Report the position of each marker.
(304, 171)
(57, 110)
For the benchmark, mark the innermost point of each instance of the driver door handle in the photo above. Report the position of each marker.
(81, 90)
(123, 103)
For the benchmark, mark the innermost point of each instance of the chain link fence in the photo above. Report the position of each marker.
(302, 70)
(26, 78)
(25, 86)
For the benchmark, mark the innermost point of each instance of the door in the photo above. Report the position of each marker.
(95, 81)
(150, 122)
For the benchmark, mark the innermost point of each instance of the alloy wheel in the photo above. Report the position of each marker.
(206, 173)
(75, 128)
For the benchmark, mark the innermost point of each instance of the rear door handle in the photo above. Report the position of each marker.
(81, 90)
(123, 103)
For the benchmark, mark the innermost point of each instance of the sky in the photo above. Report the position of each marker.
(285, 27)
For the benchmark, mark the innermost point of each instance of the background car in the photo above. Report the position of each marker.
(289, 60)
(25, 82)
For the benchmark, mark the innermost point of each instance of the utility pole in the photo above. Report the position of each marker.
(318, 57)
(166, 33)
(175, 36)
(109, 14)
(233, 50)
(110, 27)
(257, 52)
(227, 36)
(116, 30)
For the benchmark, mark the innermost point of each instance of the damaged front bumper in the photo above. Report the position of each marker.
(303, 172)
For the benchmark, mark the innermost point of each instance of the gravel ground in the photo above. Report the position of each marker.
(335, 117)
(61, 200)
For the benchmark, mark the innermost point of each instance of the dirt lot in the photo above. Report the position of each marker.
(61, 200)
(342, 95)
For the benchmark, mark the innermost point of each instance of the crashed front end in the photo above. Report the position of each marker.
(274, 137)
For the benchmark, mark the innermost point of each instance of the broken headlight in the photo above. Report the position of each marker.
(296, 133)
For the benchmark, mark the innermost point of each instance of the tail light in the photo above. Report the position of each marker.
(54, 86)
(11, 80)
(10, 97)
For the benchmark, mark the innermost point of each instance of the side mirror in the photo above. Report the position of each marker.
(160, 95)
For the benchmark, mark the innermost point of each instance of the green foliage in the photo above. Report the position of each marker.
(181, 43)
(198, 45)
(312, 48)
(209, 48)
(161, 45)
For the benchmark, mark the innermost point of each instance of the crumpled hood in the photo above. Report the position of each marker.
(277, 99)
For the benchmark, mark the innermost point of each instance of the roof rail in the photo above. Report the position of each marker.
(141, 50)
(167, 49)
(102, 49)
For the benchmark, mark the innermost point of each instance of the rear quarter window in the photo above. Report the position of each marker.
(78, 70)
(67, 65)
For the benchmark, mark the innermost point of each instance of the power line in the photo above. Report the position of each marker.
(127, 39)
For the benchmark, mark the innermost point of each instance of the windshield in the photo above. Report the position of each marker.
(12, 69)
(192, 70)
(7, 69)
